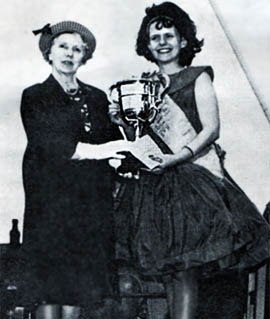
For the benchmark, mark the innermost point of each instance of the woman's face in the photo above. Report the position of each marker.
(67, 52)
(165, 44)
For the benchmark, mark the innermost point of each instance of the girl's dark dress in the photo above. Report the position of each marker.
(188, 217)
(68, 225)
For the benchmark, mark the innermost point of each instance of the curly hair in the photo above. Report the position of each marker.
(167, 15)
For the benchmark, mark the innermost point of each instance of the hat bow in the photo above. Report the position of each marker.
(46, 29)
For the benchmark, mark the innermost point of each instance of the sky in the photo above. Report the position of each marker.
(245, 131)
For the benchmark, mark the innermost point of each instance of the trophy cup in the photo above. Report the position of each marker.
(139, 99)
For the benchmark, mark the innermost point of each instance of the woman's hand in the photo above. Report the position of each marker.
(96, 152)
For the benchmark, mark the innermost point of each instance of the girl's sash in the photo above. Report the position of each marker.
(175, 130)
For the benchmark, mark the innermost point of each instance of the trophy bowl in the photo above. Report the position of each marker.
(139, 98)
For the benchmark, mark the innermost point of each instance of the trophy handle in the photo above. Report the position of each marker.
(164, 81)
(154, 111)
(114, 94)
(115, 97)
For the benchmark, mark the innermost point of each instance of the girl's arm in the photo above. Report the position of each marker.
(208, 112)
(209, 115)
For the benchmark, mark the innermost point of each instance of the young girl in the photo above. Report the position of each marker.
(188, 216)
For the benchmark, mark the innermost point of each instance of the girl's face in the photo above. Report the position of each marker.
(165, 44)
(67, 52)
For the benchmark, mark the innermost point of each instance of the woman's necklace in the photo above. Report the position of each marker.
(68, 84)
(72, 91)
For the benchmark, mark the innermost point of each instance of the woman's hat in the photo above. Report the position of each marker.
(48, 33)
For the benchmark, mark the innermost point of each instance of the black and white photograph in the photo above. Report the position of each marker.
(135, 159)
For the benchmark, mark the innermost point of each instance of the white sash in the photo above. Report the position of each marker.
(173, 127)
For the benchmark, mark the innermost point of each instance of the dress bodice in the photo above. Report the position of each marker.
(181, 90)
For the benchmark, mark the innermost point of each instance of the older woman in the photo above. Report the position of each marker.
(68, 225)
(189, 217)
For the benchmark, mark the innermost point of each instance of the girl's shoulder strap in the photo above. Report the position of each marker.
(187, 76)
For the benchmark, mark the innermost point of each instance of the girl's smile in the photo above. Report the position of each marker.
(165, 44)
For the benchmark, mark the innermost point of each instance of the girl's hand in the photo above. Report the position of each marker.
(164, 161)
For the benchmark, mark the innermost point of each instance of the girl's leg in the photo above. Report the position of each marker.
(185, 293)
(48, 312)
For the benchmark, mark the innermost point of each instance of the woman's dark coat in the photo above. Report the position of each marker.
(68, 224)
